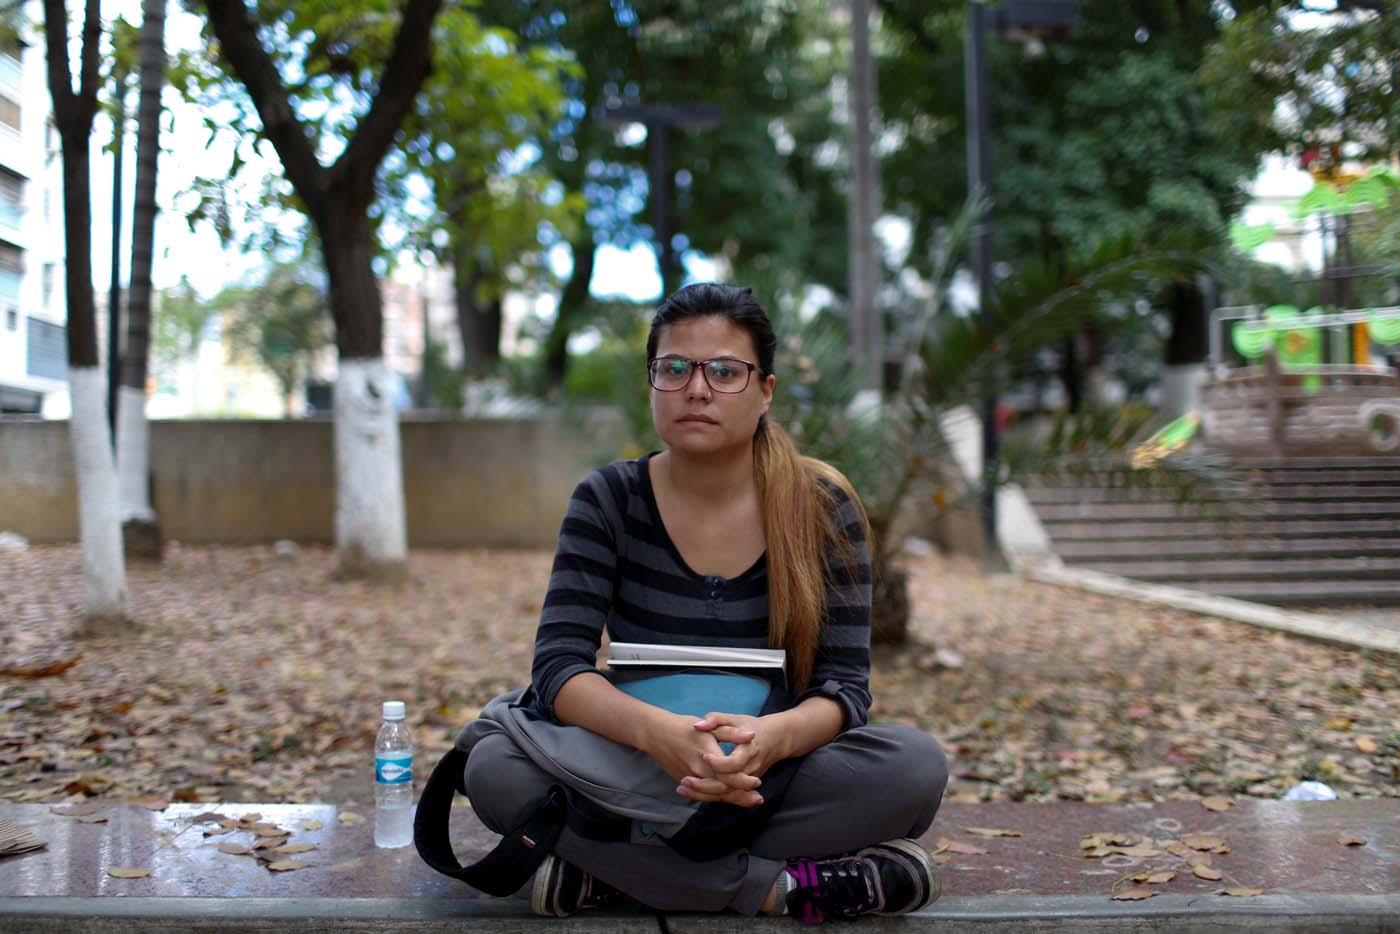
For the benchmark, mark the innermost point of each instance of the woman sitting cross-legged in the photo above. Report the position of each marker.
(730, 538)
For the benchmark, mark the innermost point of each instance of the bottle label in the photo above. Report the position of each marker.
(393, 769)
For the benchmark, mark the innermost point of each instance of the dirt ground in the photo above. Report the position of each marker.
(251, 675)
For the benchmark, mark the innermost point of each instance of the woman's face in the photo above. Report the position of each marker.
(695, 419)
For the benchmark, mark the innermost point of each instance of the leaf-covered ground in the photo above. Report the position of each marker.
(256, 676)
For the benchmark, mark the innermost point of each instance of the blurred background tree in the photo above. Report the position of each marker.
(281, 323)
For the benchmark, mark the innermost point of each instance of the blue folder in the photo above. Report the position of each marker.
(696, 693)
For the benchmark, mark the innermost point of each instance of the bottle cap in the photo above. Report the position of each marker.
(393, 710)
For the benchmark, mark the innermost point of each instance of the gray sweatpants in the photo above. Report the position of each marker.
(867, 785)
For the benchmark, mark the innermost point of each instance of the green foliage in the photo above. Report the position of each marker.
(178, 323)
(1327, 78)
(444, 383)
(487, 100)
(280, 322)
(1105, 134)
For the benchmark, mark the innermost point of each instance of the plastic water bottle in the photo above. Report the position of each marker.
(393, 780)
(1310, 791)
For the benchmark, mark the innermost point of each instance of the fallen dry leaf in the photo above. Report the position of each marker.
(235, 849)
(954, 846)
(291, 646)
(1142, 850)
(92, 818)
(1365, 744)
(124, 872)
(1155, 877)
(1240, 891)
(1207, 872)
(1352, 840)
(250, 819)
(991, 832)
(311, 825)
(46, 670)
(287, 865)
(1197, 859)
(1201, 841)
(1177, 848)
(268, 830)
(210, 817)
(349, 817)
(1217, 803)
(268, 843)
(292, 849)
(216, 831)
(1134, 893)
(77, 810)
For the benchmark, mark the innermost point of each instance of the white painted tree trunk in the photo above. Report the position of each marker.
(133, 456)
(1181, 388)
(370, 532)
(99, 517)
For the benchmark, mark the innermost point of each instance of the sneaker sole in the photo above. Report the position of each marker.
(919, 856)
(543, 900)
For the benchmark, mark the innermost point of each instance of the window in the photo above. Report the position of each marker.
(11, 187)
(9, 113)
(48, 349)
(50, 271)
(11, 319)
(11, 258)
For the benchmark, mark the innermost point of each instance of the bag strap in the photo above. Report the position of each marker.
(516, 857)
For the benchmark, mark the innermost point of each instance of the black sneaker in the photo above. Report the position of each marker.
(562, 888)
(890, 878)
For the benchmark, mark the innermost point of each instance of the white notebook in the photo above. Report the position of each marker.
(649, 655)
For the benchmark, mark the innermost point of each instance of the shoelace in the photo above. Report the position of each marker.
(846, 888)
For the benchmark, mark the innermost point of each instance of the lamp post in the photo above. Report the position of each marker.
(1029, 19)
(660, 119)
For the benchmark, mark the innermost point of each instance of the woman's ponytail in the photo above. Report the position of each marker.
(801, 538)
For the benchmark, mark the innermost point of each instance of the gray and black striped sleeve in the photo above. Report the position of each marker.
(842, 667)
(580, 594)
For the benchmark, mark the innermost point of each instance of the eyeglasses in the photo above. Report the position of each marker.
(722, 374)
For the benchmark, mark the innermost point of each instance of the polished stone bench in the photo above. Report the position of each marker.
(1040, 880)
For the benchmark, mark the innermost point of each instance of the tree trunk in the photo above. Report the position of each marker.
(889, 604)
(140, 529)
(114, 286)
(104, 568)
(866, 331)
(478, 326)
(370, 531)
(1187, 346)
(1071, 373)
(572, 305)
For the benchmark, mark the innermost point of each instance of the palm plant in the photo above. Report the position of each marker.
(945, 360)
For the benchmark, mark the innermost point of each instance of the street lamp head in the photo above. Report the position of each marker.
(1035, 21)
(688, 117)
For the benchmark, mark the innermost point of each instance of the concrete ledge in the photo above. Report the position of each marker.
(1323, 914)
(1334, 629)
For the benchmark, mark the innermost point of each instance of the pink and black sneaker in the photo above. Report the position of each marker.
(890, 878)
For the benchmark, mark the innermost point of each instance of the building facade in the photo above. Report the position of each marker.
(33, 339)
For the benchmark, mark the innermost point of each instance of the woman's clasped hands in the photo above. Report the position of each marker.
(737, 776)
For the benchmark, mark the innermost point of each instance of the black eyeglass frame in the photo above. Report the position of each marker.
(700, 365)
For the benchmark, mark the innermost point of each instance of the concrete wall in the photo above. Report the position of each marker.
(467, 483)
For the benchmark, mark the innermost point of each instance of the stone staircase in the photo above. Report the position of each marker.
(1295, 531)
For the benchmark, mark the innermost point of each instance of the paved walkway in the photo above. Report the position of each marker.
(1310, 880)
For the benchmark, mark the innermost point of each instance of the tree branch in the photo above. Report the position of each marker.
(56, 40)
(238, 38)
(404, 74)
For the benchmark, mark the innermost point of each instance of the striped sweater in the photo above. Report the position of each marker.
(616, 567)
